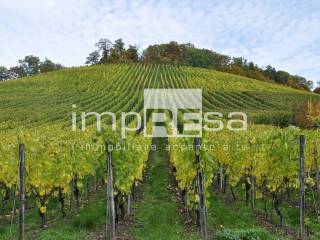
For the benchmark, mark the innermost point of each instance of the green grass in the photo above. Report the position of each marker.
(156, 214)
(62, 230)
(91, 217)
(234, 219)
(225, 214)
(244, 234)
(78, 225)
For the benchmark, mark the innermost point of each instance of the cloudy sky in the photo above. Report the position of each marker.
(283, 33)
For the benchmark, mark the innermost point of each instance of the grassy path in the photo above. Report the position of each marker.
(156, 214)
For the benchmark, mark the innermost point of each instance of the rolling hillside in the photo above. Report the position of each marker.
(48, 98)
(66, 170)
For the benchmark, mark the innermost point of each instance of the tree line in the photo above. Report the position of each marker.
(169, 53)
(317, 89)
(188, 55)
(28, 66)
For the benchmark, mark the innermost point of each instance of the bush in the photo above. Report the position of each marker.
(239, 234)
(280, 119)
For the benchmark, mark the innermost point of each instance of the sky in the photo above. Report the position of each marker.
(282, 33)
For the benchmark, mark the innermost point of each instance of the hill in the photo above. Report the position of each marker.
(48, 97)
(66, 170)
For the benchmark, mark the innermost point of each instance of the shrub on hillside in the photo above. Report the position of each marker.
(307, 114)
(317, 90)
(242, 234)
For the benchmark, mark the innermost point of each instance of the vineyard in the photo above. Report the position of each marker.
(226, 185)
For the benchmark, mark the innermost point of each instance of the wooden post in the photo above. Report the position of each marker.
(302, 186)
(316, 169)
(14, 205)
(201, 191)
(253, 192)
(88, 188)
(129, 205)
(95, 182)
(71, 194)
(111, 229)
(22, 190)
(252, 187)
(221, 177)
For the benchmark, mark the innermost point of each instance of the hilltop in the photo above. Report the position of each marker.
(48, 97)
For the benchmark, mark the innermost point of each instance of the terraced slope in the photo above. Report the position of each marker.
(48, 98)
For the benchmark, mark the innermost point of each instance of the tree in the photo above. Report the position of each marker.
(132, 53)
(172, 52)
(30, 65)
(93, 58)
(220, 62)
(282, 77)
(309, 85)
(187, 54)
(152, 54)
(48, 66)
(18, 71)
(270, 72)
(4, 73)
(239, 61)
(307, 113)
(317, 90)
(119, 47)
(104, 46)
(117, 52)
(114, 56)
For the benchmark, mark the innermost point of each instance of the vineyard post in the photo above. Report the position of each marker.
(111, 209)
(253, 192)
(253, 187)
(14, 205)
(200, 181)
(22, 190)
(129, 205)
(71, 194)
(221, 176)
(302, 186)
(95, 182)
(316, 169)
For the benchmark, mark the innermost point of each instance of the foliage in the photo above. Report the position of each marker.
(29, 66)
(47, 66)
(4, 73)
(317, 90)
(268, 154)
(93, 58)
(54, 157)
(242, 234)
(189, 55)
(306, 113)
(108, 52)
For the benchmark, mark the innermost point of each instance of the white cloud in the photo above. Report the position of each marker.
(281, 33)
